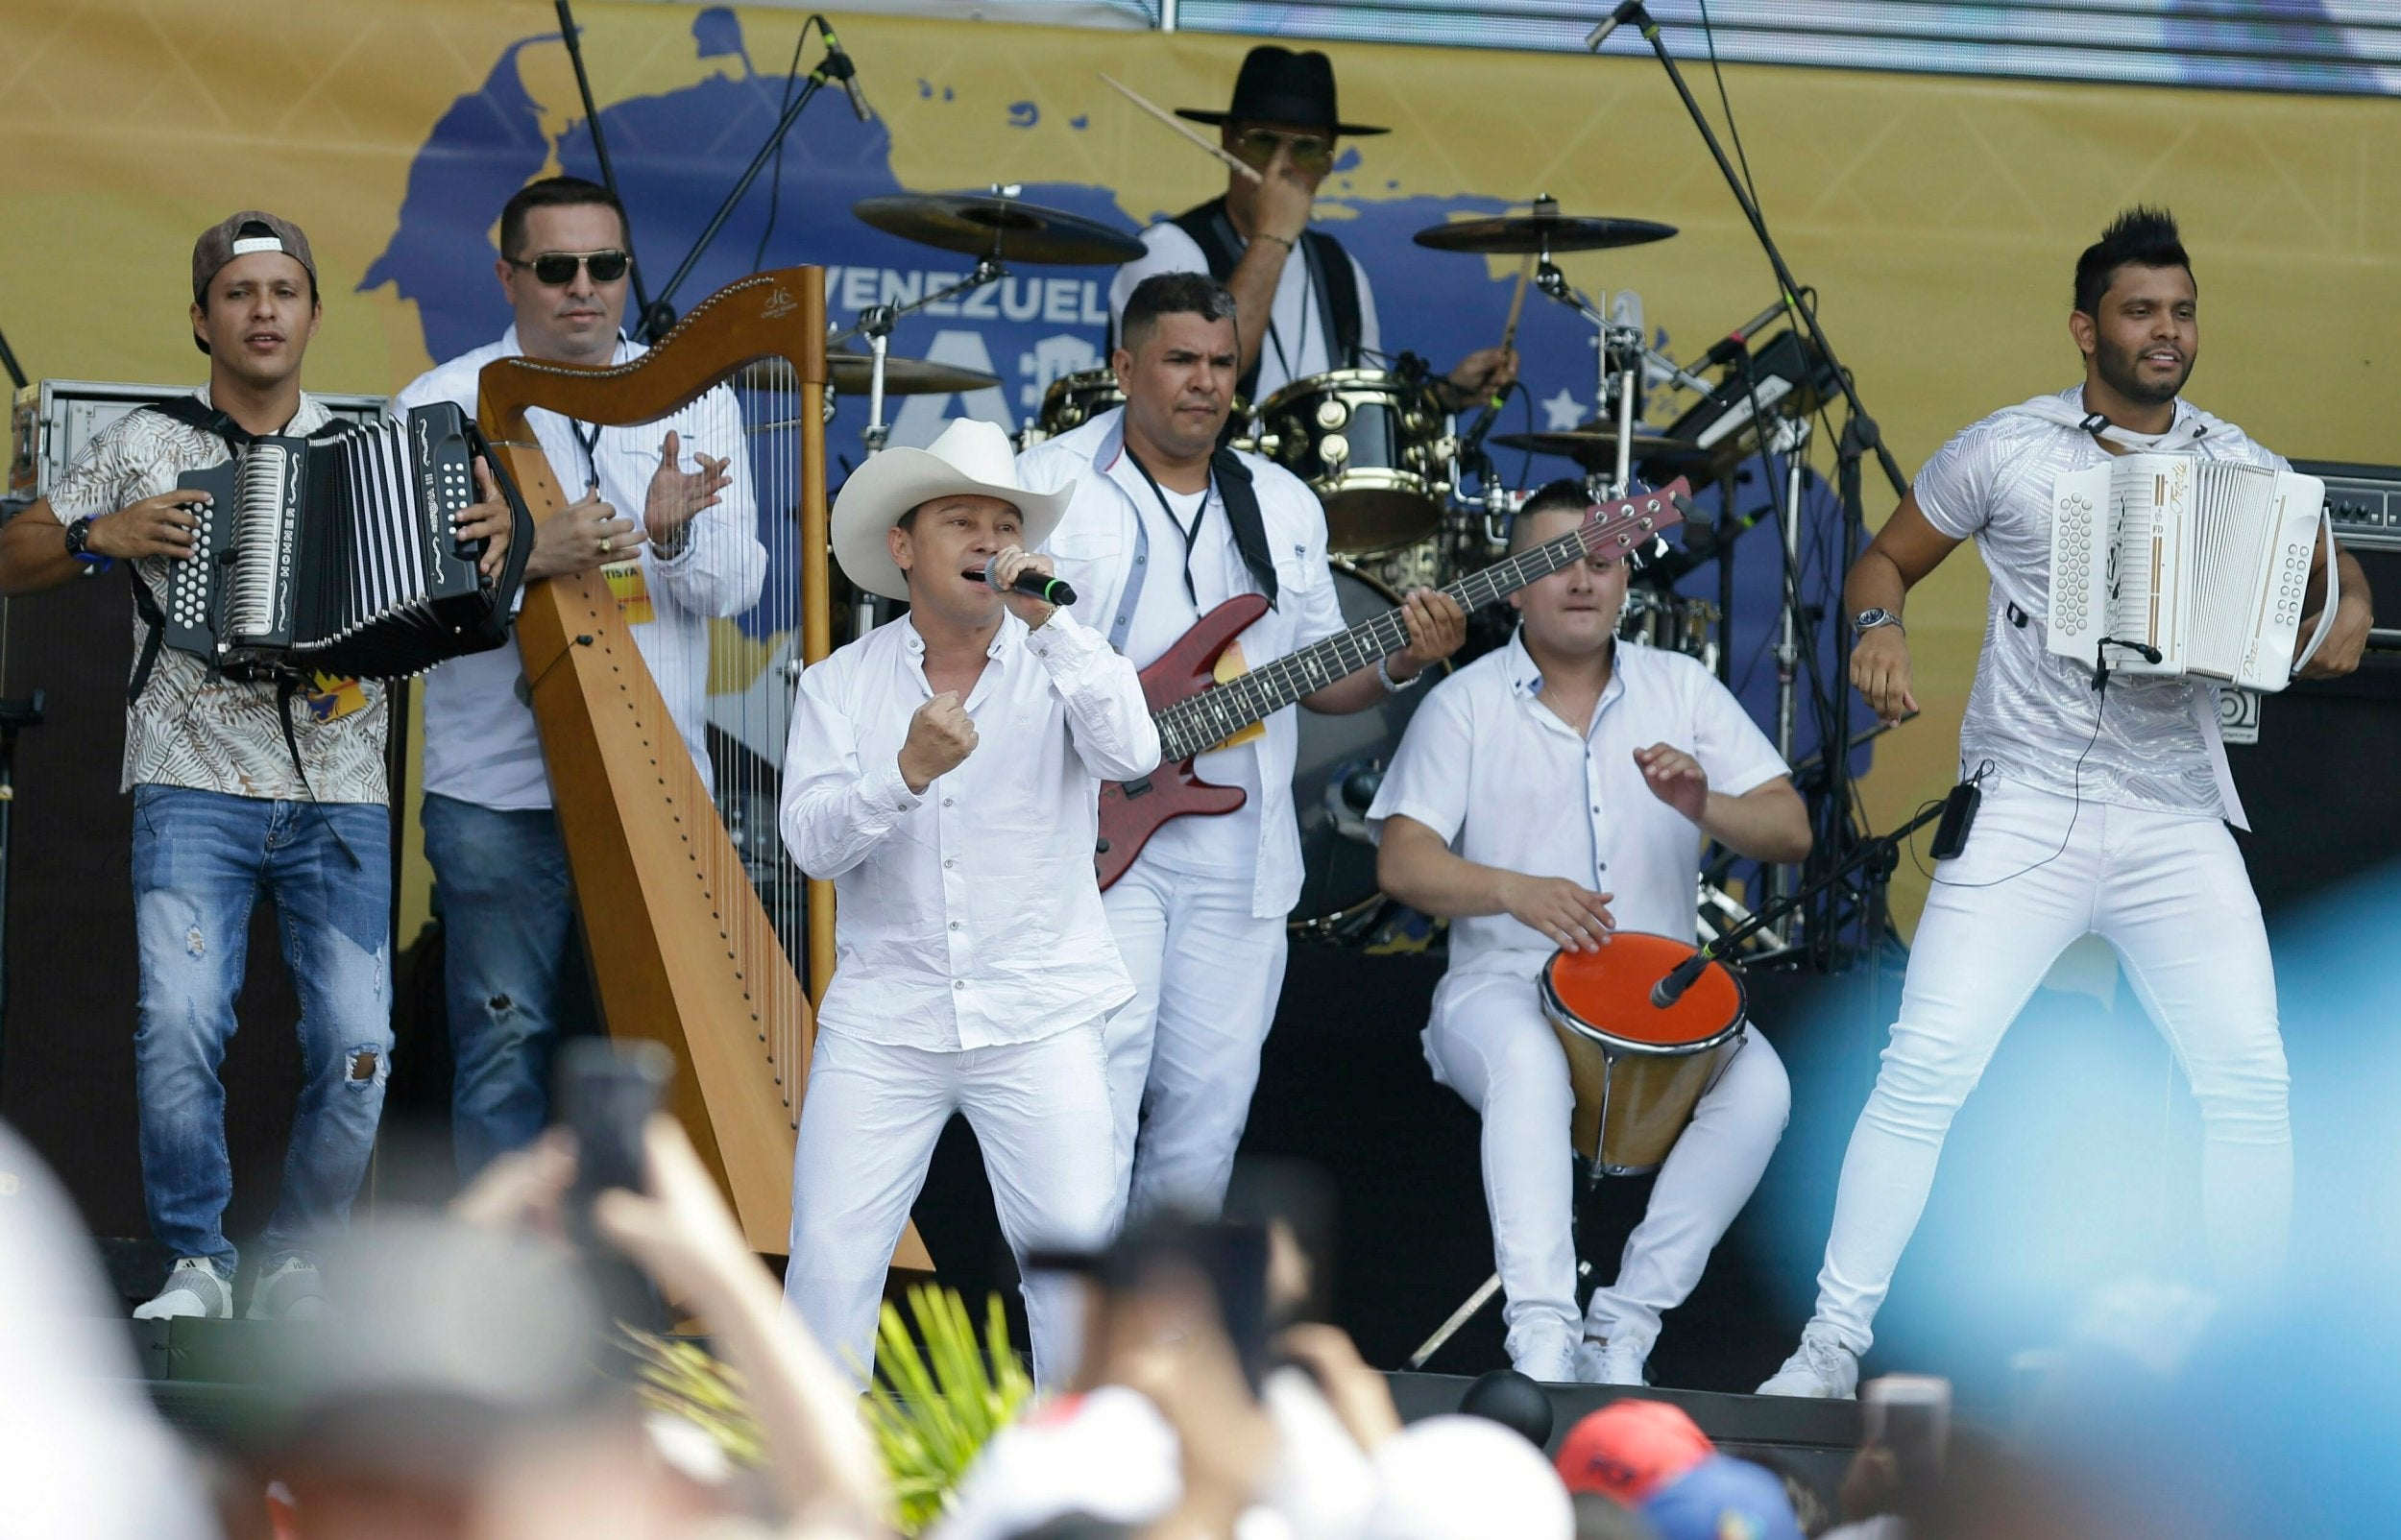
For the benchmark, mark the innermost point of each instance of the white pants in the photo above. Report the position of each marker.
(1183, 1057)
(868, 1131)
(1489, 1041)
(2169, 893)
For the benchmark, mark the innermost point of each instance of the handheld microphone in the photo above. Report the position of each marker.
(1035, 586)
(1617, 19)
(837, 67)
(1670, 989)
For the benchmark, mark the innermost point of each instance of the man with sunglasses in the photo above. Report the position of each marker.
(1302, 304)
(666, 512)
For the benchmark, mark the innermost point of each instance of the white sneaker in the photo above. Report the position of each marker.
(194, 1288)
(1601, 1361)
(1548, 1356)
(1821, 1368)
(293, 1292)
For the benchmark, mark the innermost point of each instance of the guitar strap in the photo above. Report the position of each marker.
(1232, 481)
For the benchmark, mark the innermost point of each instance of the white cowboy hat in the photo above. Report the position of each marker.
(970, 458)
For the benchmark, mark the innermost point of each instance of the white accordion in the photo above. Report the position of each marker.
(2207, 560)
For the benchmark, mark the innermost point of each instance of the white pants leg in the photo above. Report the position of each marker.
(1489, 1041)
(2180, 910)
(1206, 975)
(1706, 1180)
(867, 1130)
(1137, 907)
(2172, 894)
(1041, 1114)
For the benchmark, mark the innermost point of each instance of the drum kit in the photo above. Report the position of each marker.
(1411, 500)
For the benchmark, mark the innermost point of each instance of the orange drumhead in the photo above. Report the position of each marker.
(1609, 992)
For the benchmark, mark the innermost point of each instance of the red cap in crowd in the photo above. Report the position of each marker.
(1630, 1449)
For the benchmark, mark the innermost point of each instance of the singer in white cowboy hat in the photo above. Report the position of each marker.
(944, 771)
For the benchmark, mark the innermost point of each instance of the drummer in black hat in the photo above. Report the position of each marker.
(1301, 303)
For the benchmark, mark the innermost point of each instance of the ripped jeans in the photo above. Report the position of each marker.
(200, 859)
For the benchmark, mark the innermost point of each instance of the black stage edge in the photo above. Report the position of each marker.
(1813, 1438)
(210, 1380)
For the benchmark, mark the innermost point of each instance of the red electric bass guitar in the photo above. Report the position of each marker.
(1196, 711)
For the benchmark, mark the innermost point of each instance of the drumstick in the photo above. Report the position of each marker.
(1173, 121)
(1516, 305)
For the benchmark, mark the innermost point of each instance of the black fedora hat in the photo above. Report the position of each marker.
(1277, 85)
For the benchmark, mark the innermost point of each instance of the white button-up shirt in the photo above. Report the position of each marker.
(969, 915)
(1094, 545)
(481, 745)
(1495, 773)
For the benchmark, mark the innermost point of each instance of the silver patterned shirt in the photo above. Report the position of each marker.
(2031, 713)
(222, 735)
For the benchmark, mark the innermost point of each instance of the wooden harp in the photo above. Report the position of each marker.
(683, 947)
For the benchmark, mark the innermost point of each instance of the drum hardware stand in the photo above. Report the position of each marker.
(1791, 437)
(876, 324)
(1621, 356)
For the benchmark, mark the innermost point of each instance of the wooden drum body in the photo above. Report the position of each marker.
(1638, 1070)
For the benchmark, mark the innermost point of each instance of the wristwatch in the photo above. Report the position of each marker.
(78, 546)
(1867, 620)
(1392, 686)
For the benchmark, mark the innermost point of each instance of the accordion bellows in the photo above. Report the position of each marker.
(2207, 561)
(335, 554)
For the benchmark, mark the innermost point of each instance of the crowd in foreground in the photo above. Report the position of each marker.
(491, 1397)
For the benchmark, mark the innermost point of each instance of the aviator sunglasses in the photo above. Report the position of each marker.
(556, 267)
(1310, 151)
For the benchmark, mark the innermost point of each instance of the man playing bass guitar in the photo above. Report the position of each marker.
(1163, 528)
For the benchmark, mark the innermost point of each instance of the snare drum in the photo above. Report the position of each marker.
(1377, 450)
(1637, 1069)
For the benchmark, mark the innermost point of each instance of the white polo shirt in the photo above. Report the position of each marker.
(1096, 545)
(1507, 784)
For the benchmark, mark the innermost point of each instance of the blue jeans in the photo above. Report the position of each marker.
(513, 969)
(200, 859)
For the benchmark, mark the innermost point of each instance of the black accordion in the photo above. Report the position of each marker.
(334, 554)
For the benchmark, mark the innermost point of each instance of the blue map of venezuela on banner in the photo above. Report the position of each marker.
(678, 153)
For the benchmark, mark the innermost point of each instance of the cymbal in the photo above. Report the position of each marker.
(1521, 234)
(905, 376)
(987, 224)
(1597, 443)
(902, 376)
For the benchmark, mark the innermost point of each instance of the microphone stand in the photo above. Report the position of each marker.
(1877, 856)
(600, 153)
(658, 316)
(1860, 436)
